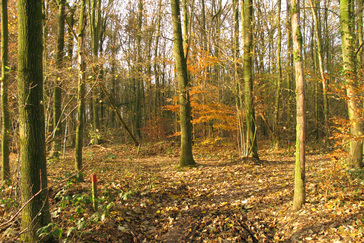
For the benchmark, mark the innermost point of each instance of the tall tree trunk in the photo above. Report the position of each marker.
(139, 79)
(279, 80)
(81, 91)
(95, 19)
(360, 52)
(321, 68)
(300, 178)
(57, 97)
(69, 50)
(290, 79)
(31, 119)
(157, 92)
(186, 157)
(247, 18)
(349, 62)
(237, 73)
(5, 131)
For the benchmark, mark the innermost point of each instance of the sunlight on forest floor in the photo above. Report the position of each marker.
(147, 197)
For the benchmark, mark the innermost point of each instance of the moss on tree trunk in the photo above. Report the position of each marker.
(31, 119)
(186, 157)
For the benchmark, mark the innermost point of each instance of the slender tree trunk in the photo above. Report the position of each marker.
(321, 68)
(95, 19)
(81, 92)
(349, 68)
(247, 18)
(289, 68)
(360, 53)
(237, 73)
(5, 131)
(31, 119)
(279, 80)
(139, 79)
(300, 178)
(71, 21)
(186, 157)
(157, 92)
(57, 97)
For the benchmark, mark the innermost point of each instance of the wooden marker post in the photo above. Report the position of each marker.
(94, 192)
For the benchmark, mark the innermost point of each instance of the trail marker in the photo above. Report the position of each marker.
(94, 191)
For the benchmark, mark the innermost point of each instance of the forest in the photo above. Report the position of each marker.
(182, 121)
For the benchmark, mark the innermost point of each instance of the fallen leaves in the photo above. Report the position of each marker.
(224, 199)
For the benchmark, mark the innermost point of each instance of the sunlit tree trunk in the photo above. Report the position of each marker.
(157, 92)
(360, 53)
(80, 92)
(5, 173)
(349, 62)
(321, 68)
(139, 76)
(57, 96)
(300, 178)
(289, 67)
(237, 81)
(31, 119)
(95, 18)
(186, 157)
(247, 19)
(279, 80)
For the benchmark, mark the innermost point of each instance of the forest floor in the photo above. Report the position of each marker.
(148, 198)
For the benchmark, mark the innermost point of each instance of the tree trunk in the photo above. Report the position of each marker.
(157, 92)
(247, 18)
(276, 137)
(31, 119)
(349, 62)
(321, 68)
(81, 92)
(186, 157)
(139, 79)
(95, 18)
(289, 67)
(57, 97)
(300, 178)
(5, 131)
(360, 53)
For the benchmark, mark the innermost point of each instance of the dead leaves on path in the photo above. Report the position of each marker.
(148, 198)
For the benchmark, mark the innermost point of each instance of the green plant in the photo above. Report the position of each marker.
(94, 136)
(110, 156)
(126, 195)
(51, 230)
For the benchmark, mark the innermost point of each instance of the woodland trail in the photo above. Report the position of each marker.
(147, 198)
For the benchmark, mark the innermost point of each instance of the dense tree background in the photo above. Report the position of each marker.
(128, 49)
(110, 61)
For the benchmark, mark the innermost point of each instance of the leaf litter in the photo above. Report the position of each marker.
(148, 198)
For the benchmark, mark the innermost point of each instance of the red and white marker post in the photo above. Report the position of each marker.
(94, 191)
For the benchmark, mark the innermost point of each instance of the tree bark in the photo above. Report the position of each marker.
(139, 79)
(186, 157)
(300, 177)
(276, 137)
(349, 68)
(31, 119)
(95, 19)
(321, 68)
(247, 18)
(360, 53)
(80, 92)
(5, 131)
(57, 98)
